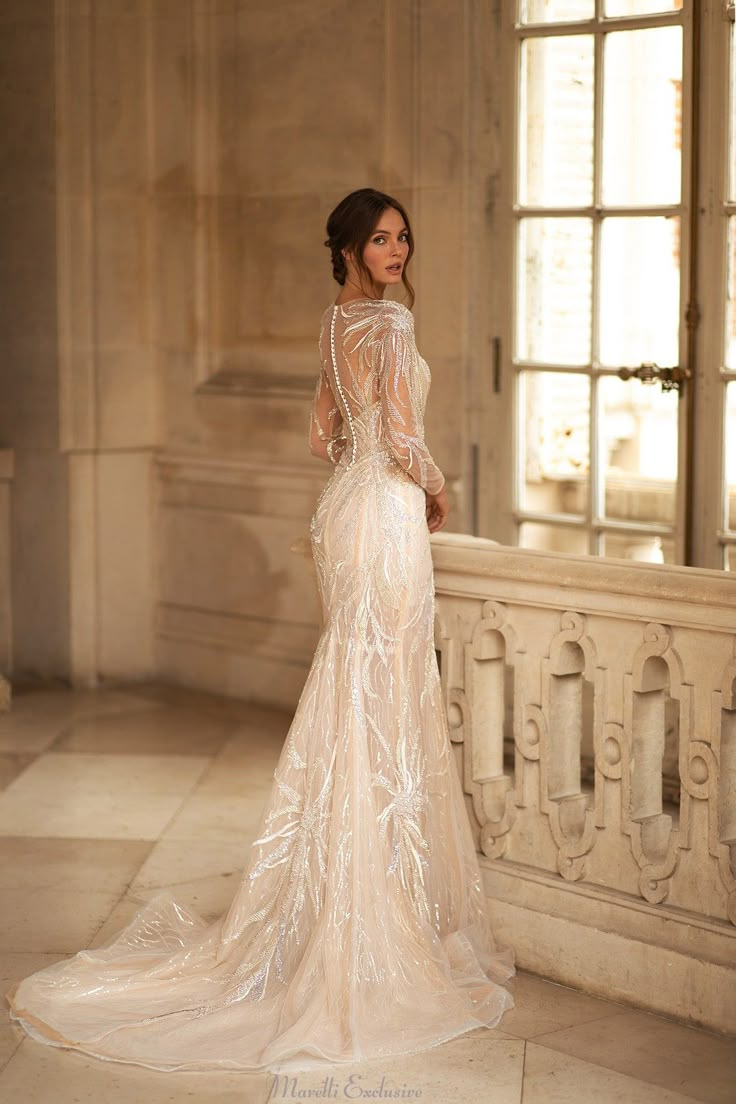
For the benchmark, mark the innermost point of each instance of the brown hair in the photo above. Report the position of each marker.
(350, 226)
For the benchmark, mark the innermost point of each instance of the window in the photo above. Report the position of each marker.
(727, 332)
(622, 400)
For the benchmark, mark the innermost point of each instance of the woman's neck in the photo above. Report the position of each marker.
(351, 293)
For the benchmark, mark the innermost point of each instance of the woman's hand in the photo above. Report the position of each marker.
(438, 507)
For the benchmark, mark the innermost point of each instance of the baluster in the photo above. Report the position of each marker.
(648, 740)
(485, 682)
(566, 722)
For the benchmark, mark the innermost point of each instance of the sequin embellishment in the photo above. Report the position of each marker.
(358, 928)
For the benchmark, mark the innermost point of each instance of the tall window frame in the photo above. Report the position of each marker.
(700, 532)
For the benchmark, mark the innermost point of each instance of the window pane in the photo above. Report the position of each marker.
(554, 290)
(641, 7)
(639, 441)
(553, 538)
(730, 557)
(555, 11)
(556, 121)
(554, 411)
(730, 359)
(642, 116)
(730, 506)
(640, 291)
(639, 546)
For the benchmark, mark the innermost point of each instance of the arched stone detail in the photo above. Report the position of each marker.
(656, 669)
(492, 644)
(572, 821)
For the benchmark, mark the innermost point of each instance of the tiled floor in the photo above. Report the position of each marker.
(106, 797)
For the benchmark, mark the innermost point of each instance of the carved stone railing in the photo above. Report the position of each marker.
(592, 706)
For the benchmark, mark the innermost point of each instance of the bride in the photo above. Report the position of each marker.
(359, 928)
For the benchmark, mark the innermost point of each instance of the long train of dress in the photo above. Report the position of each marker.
(359, 928)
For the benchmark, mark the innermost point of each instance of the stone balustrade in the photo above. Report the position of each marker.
(592, 708)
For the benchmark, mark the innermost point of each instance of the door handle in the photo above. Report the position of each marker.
(669, 379)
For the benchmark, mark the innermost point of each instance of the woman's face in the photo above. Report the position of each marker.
(386, 250)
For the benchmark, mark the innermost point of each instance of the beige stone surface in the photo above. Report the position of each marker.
(157, 730)
(127, 397)
(175, 862)
(39, 558)
(242, 713)
(652, 1049)
(59, 895)
(58, 920)
(7, 464)
(36, 529)
(226, 251)
(183, 195)
(80, 865)
(99, 796)
(220, 817)
(603, 812)
(41, 715)
(245, 765)
(38, 1074)
(125, 572)
(693, 983)
(552, 1078)
(542, 1006)
(11, 765)
(470, 1069)
(223, 671)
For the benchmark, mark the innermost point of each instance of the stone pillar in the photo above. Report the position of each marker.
(106, 365)
(29, 409)
(6, 598)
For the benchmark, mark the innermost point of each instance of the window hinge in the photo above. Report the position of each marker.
(729, 10)
(497, 365)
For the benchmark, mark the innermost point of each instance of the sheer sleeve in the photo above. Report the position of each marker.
(402, 403)
(326, 438)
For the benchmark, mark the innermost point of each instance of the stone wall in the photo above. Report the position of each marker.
(264, 116)
(200, 145)
(29, 370)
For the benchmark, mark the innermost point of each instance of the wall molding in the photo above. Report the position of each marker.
(281, 641)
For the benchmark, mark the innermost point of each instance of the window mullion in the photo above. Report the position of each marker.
(707, 444)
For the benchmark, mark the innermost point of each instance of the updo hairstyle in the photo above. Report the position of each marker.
(351, 225)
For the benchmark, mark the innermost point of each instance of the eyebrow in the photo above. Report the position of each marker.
(404, 230)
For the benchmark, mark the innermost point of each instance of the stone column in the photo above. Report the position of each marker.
(6, 600)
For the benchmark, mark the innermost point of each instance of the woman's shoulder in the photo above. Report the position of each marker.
(374, 315)
(393, 318)
(370, 307)
(398, 310)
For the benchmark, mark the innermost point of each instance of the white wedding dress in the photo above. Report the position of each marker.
(359, 929)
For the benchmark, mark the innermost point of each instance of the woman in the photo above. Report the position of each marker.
(359, 929)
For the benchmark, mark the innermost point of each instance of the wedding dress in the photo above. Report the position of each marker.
(358, 930)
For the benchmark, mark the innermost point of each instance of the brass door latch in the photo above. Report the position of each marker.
(669, 379)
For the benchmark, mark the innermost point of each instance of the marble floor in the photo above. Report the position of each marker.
(107, 796)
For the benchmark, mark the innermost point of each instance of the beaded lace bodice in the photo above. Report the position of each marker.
(372, 389)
